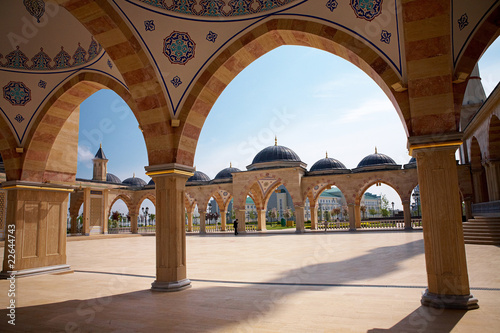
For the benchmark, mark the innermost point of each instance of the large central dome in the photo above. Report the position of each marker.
(275, 157)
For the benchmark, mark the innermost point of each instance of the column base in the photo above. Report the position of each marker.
(298, 231)
(37, 271)
(461, 302)
(408, 228)
(171, 286)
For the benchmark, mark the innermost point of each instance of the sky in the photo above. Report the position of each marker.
(312, 101)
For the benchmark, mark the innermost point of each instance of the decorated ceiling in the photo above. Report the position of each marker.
(42, 45)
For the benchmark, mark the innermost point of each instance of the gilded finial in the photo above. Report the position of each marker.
(100, 145)
(376, 150)
(327, 154)
(133, 175)
(275, 140)
(230, 164)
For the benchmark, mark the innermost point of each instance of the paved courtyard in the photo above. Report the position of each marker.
(273, 282)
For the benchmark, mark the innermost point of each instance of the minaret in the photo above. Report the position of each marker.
(474, 97)
(100, 165)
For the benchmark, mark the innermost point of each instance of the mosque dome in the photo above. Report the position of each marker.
(377, 161)
(134, 181)
(226, 173)
(275, 157)
(151, 182)
(198, 176)
(411, 164)
(328, 165)
(110, 178)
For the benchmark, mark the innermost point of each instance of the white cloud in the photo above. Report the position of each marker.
(85, 156)
(368, 108)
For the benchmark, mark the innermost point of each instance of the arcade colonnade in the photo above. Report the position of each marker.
(420, 53)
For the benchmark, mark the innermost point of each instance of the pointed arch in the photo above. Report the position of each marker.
(112, 32)
(50, 125)
(123, 197)
(264, 38)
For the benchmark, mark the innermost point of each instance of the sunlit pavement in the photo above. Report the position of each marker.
(273, 282)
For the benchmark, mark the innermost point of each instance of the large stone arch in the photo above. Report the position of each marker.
(372, 181)
(11, 158)
(152, 113)
(51, 132)
(125, 198)
(264, 38)
(483, 37)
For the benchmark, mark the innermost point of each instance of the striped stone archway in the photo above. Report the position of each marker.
(259, 41)
(152, 113)
(52, 134)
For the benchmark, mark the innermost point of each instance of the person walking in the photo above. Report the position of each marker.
(235, 225)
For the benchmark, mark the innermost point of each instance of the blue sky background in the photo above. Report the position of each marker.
(311, 100)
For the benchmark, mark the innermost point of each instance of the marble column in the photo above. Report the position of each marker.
(86, 212)
(447, 278)
(105, 211)
(407, 214)
(357, 216)
(299, 219)
(492, 169)
(171, 272)
(134, 228)
(314, 217)
(240, 215)
(74, 224)
(36, 228)
(223, 220)
(352, 216)
(261, 220)
(190, 221)
(203, 218)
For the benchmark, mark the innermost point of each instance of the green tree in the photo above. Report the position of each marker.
(115, 216)
(372, 211)
(384, 205)
(336, 212)
(152, 217)
(326, 215)
(252, 215)
(362, 208)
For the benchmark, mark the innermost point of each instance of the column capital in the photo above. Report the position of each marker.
(24, 185)
(444, 140)
(169, 169)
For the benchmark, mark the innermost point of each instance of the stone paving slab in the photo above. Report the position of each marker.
(333, 282)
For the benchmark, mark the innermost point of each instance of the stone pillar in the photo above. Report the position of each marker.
(105, 211)
(352, 216)
(133, 222)
(261, 220)
(240, 215)
(86, 212)
(357, 216)
(299, 220)
(493, 179)
(36, 223)
(203, 218)
(74, 224)
(448, 282)
(190, 221)
(314, 217)
(171, 272)
(468, 208)
(407, 214)
(223, 220)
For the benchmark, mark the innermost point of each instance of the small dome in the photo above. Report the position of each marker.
(134, 181)
(151, 182)
(198, 177)
(276, 153)
(110, 178)
(412, 160)
(226, 173)
(327, 163)
(376, 159)
(412, 164)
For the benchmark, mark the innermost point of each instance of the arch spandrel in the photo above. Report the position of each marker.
(494, 138)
